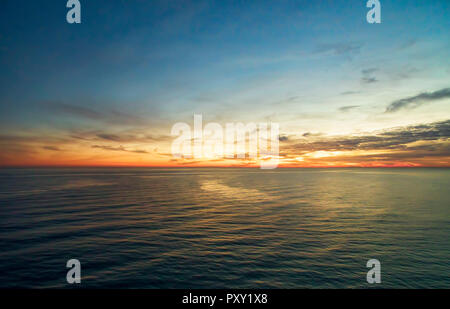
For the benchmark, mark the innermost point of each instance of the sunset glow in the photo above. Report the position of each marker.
(366, 95)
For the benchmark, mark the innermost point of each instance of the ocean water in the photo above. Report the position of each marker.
(225, 228)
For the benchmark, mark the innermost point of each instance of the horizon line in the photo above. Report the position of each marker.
(210, 166)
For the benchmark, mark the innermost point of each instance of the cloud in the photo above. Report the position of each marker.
(52, 148)
(368, 77)
(283, 138)
(26, 145)
(394, 138)
(76, 110)
(341, 48)
(110, 137)
(408, 44)
(406, 72)
(369, 71)
(418, 100)
(108, 116)
(28, 137)
(309, 134)
(127, 136)
(369, 80)
(349, 92)
(347, 108)
(120, 148)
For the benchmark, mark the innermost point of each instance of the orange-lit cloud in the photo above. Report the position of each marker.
(419, 145)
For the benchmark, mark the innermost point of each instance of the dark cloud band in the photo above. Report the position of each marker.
(417, 100)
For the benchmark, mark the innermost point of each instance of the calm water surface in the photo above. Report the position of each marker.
(225, 228)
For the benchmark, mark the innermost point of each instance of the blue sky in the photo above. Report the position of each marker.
(148, 64)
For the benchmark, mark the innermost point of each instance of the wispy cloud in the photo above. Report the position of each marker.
(110, 116)
(128, 136)
(369, 71)
(310, 134)
(418, 100)
(369, 80)
(347, 108)
(408, 44)
(110, 137)
(52, 148)
(120, 148)
(341, 48)
(349, 92)
(368, 76)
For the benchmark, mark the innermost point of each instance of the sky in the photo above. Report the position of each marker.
(107, 92)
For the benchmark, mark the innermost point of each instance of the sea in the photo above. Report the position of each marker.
(225, 227)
